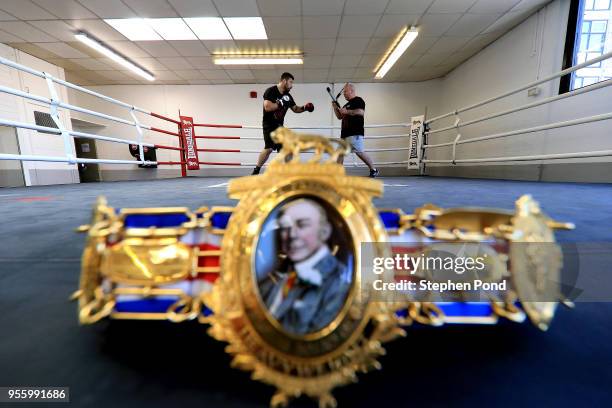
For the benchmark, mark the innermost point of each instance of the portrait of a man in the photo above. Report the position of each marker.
(307, 287)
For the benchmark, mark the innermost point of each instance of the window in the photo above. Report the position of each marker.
(596, 5)
(592, 26)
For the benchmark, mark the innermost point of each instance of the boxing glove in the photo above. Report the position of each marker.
(309, 107)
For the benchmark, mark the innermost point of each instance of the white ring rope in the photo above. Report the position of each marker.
(555, 125)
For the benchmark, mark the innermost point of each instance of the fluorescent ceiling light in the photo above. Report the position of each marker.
(103, 49)
(405, 38)
(208, 28)
(135, 29)
(171, 28)
(246, 28)
(259, 61)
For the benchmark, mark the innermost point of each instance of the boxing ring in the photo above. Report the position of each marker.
(189, 143)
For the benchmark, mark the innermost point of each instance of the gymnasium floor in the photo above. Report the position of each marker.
(158, 364)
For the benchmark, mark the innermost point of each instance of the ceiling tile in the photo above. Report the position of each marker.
(390, 25)
(77, 79)
(237, 8)
(199, 82)
(317, 61)
(109, 8)
(166, 75)
(432, 59)
(214, 74)
(322, 7)
(173, 82)
(34, 50)
(6, 16)
(64, 63)
(240, 74)
(151, 8)
(350, 46)
(451, 6)
(150, 64)
(336, 73)
(320, 26)
(320, 47)
(56, 28)
(408, 7)
(422, 44)
(497, 6)
(221, 81)
(128, 48)
(265, 76)
(9, 38)
(283, 27)
(190, 48)
(479, 42)
(319, 75)
(345, 61)
(471, 24)
(98, 29)
(358, 26)
(201, 62)
(364, 7)
(369, 61)
(65, 9)
(270, 8)
(26, 31)
(434, 25)
(458, 58)
(378, 45)
(62, 50)
(92, 64)
(195, 8)
(507, 21)
(363, 73)
(252, 46)
(189, 74)
(530, 5)
(26, 10)
(157, 48)
(115, 75)
(220, 46)
(449, 44)
(174, 63)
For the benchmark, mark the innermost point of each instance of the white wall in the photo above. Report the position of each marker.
(20, 109)
(231, 104)
(531, 51)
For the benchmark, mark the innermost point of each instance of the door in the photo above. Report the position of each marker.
(86, 149)
(11, 171)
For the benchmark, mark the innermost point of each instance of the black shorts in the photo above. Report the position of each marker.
(270, 144)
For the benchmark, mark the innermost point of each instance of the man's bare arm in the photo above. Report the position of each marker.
(352, 112)
(337, 110)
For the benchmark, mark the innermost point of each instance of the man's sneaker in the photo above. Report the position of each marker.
(256, 171)
(373, 173)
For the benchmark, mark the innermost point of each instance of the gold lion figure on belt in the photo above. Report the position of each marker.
(294, 143)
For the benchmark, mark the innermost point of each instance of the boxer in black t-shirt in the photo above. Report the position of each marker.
(277, 101)
(352, 116)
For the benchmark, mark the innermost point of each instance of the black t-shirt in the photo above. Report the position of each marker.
(275, 119)
(353, 125)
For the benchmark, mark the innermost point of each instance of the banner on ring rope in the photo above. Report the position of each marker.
(191, 152)
(416, 130)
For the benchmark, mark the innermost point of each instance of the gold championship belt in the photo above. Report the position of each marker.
(289, 279)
